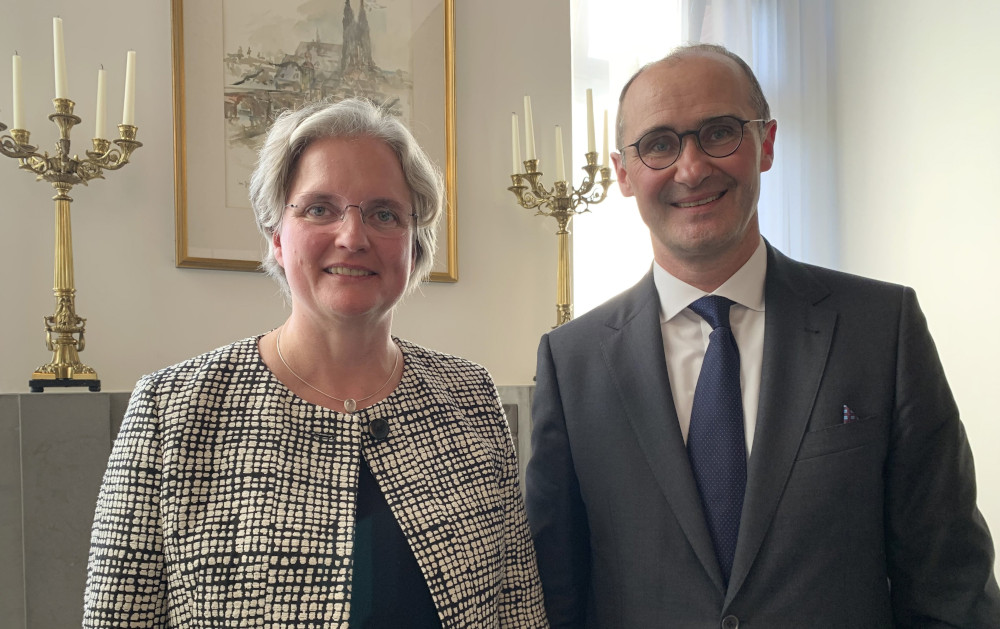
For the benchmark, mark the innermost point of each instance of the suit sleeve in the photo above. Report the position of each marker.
(125, 582)
(556, 510)
(939, 552)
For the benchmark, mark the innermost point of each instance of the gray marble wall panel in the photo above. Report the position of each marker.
(65, 443)
(53, 450)
(510, 410)
(520, 397)
(11, 542)
(119, 404)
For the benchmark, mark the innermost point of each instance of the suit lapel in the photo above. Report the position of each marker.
(633, 344)
(797, 337)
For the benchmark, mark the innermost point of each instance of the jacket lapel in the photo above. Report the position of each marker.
(797, 337)
(633, 344)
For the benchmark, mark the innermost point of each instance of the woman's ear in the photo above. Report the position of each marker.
(276, 247)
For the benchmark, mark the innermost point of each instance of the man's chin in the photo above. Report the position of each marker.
(704, 247)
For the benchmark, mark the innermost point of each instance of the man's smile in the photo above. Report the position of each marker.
(704, 201)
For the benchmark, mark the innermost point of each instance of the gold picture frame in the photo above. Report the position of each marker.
(213, 223)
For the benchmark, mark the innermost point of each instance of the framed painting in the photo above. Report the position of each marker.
(237, 64)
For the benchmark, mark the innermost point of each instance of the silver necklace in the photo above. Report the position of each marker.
(350, 404)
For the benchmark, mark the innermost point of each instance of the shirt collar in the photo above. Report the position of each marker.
(745, 286)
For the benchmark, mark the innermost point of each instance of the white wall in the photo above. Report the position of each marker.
(919, 157)
(144, 313)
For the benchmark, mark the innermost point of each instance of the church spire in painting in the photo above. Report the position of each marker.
(356, 55)
(365, 43)
(348, 29)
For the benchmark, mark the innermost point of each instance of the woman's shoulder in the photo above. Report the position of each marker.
(435, 363)
(200, 386)
(452, 381)
(420, 354)
(210, 366)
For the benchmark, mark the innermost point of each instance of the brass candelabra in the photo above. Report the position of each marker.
(64, 330)
(561, 203)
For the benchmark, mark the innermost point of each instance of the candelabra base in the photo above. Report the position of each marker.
(38, 385)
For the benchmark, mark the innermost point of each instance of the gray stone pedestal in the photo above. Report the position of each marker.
(53, 451)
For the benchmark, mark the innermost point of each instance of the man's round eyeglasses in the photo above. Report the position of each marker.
(718, 137)
(382, 217)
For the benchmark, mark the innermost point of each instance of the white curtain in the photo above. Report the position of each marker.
(787, 43)
(611, 248)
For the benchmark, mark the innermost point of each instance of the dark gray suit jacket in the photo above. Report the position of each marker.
(870, 523)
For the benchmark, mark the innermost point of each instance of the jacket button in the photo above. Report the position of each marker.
(730, 622)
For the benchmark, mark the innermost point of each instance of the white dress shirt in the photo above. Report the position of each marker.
(685, 335)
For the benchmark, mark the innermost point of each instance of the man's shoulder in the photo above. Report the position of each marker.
(613, 313)
(829, 283)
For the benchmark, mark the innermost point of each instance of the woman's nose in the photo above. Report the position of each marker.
(352, 232)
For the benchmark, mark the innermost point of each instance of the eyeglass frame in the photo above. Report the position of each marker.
(343, 217)
(696, 133)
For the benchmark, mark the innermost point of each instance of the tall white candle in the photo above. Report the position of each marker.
(516, 141)
(604, 156)
(59, 53)
(128, 109)
(591, 147)
(560, 166)
(18, 121)
(100, 126)
(529, 130)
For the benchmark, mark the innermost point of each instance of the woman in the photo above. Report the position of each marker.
(324, 474)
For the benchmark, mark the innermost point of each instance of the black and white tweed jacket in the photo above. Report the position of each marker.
(229, 501)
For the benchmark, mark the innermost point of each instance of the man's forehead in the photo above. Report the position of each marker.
(681, 92)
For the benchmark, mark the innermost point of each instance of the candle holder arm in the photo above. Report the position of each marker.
(16, 144)
(114, 158)
(588, 195)
(529, 196)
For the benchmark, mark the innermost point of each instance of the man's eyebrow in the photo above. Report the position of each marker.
(698, 125)
(661, 127)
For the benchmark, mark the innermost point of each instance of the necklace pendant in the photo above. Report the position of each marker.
(350, 405)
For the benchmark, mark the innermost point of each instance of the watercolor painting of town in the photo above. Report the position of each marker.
(249, 60)
(276, 60)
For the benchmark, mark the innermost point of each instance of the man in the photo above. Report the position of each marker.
(835, 487)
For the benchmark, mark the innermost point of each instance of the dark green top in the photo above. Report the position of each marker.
(388, 590)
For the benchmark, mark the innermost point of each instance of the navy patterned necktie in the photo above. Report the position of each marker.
(716, 443)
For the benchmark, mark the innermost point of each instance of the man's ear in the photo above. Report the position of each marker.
(767, 146)
(618, 163)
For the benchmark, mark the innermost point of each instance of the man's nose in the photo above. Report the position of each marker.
(692, 165)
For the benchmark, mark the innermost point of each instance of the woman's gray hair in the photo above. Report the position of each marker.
(294, 130)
